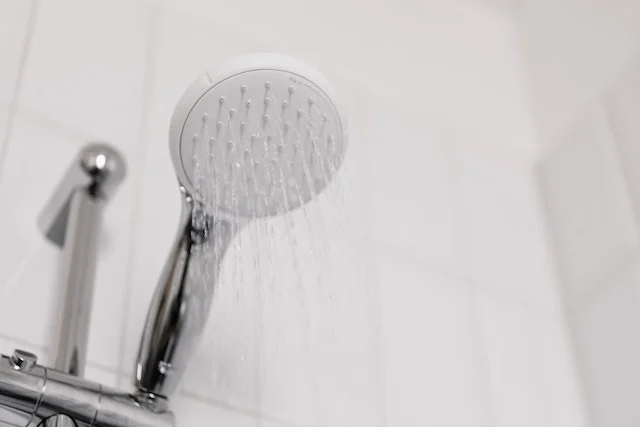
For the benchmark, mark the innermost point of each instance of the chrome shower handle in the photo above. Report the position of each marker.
(182, 299)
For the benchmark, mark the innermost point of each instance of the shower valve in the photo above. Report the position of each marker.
(33, 395)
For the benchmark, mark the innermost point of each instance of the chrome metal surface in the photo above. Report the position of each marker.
(41, 395)
(23, 360)
(60, 420)
(72, 220)
(180, 305)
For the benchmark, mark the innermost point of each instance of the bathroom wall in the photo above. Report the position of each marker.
(591, 185)
(481, 269)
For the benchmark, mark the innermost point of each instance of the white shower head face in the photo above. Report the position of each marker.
(259, 137)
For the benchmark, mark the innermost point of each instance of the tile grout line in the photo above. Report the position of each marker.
(143, 142)
(565, 312)
(607, 116)
(44, 349)
(378, 345)
(453, 276)
(13, 105)
(258, 415)
(622, 264)
(461, 234)
(366, 115)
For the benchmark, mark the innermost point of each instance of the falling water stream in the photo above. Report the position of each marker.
(293, 330)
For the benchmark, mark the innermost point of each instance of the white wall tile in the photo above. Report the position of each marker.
(8, 345)
(86, 67)
(30, 264)
(4, 122)
(101, 376)
(571, 51)
(430, 358)
(531, 371)
(293, 330)
(412, 188)
(503, 225)
(13, 31)
(609, 345)
(587, 204)
(622, 104)
(325, 368)
(193, 413)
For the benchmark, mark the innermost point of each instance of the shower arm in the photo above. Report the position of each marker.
(180, 305)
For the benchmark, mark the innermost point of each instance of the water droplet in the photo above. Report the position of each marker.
(291, 89)
(253, 140)
(205, 117)
(243, 89)
(218, 125)
(229, 146)
(285, 104)
(311, 101)
(255, 165)
(247, 155)
(243, 125)
(267, 85)
(195, 138)
(212, 140)
(248, 104)
(265, 120)
(286, 128)
(232, 112)
(221, 100)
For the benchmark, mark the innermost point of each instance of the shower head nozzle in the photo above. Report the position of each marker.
(259, 136)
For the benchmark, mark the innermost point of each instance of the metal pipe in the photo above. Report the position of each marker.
(72, 220)
(78, 275)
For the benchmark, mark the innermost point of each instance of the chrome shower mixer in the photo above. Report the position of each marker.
(257, 137)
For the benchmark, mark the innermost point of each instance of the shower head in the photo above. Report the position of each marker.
(259, 136)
